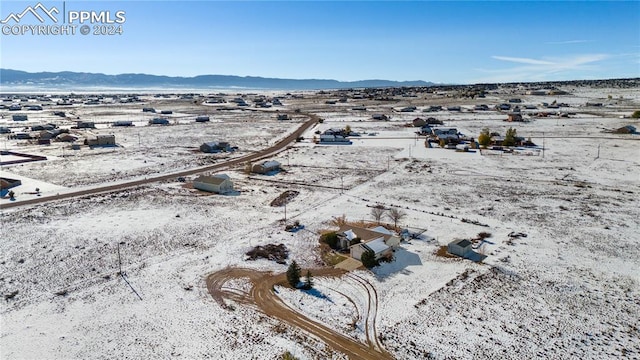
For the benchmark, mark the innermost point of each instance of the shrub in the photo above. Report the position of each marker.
(339, 220)
(288, 356)
(636, 114)
(484, 138)
(330, 238)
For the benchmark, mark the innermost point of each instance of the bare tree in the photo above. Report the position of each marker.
(339, 221)
(377, 213)
(396, 215)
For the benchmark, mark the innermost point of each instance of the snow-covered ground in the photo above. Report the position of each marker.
(569, 289)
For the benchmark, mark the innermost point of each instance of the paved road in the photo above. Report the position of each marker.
(279, 146)
(263, 296)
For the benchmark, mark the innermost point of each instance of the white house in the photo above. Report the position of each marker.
(219, 184)
(380, 240)
(378, 246)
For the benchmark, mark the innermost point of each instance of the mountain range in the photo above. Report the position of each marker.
(70, 79)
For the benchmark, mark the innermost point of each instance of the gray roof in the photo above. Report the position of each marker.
(377, 245)
(215, 180)
(270, 164)
(462, 242)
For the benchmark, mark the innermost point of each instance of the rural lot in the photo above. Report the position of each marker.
(160, 269)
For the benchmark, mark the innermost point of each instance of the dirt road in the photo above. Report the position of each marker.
(279, 146)
(263, 296)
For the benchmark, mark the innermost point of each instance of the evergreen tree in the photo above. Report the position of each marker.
(293, 274)
(368, 259)
(308, 282)
(510, 137)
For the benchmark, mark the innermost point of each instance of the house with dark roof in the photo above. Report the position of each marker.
(380, 117)
(85, 125)
(215, 146)
(159, 121)
(122, 123)
(6, 184)
(419, 122)
(326, 139)
(514, 116)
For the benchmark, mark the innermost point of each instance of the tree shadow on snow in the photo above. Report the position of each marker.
(318, 294)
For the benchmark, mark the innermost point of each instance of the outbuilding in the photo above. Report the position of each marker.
(266, 167)
(461, 247)
(102, 140)
(219, 184)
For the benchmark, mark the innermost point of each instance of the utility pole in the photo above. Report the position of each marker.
(543, 144)
(598, 156)
(341, 185)
(119, 260)
(124, 277)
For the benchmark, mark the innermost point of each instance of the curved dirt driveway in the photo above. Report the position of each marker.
(263, 296)
(279, 146)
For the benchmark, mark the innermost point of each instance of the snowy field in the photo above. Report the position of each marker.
(570, 289)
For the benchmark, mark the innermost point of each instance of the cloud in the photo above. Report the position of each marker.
(523, 60)
(567, 42)
(544, 69)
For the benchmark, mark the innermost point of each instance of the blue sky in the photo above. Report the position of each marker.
(439, 41)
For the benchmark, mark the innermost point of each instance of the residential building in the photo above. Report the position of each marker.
(215, 146)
